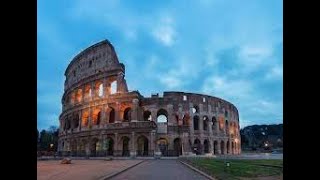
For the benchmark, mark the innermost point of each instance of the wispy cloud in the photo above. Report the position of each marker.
(164, 31)
(275, 73)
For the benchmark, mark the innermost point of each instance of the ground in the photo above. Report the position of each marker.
(80, 169)
(160, 170)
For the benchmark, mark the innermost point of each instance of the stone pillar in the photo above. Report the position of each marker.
(209, 109)
(171, 117)
(191, 119)
(154, 115)
(210, 146)
(116, 144)
(104, 82)
(87, 147)
(133, 148)
(134, 111)
(152, 136)
(210, 126)
(92, 91)
(218, 147)
(117, 113)
(90, 117)
(103, 115)
(83, 93)
(80, 120)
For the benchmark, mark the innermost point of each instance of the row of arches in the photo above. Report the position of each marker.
(218, 147)
(89, 91)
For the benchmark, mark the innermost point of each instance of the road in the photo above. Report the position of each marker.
(159, 170)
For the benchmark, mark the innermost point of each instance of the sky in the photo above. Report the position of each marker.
(225, 48)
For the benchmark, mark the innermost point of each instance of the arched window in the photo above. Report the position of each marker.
(127, 114)
(79, 95)
(113, 87)
(100, 90)
(85, 118)
(226, 113)
(195, 109)
(205, 123)
(96, 117)
(162, 116)
(147, 116)
(196, 122)
(111, 115)
(186, 119)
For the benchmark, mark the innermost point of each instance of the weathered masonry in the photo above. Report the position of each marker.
(101, 117)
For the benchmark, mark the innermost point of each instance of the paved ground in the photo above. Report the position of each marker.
(161, 170)
(80, 169)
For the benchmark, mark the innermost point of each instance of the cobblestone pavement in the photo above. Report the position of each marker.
(80, 169)
(159, 169)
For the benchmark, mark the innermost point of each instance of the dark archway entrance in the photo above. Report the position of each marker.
(163, 146)
(125, 146)
(109, 144)
(143, 146)
(197, 146)
(206, 146)
(177, 147)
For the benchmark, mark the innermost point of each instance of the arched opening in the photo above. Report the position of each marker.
(197, 146)
(74, 147)
(125, 146)
(85, 119)
(87, 92)
(205, 123)
(68, 124)
(177, 119)
(72, 98)
(147, 116)
(113, 89)
(127, 114)
(94, 146)
(109, 146)
(162, 116)
(226, 113)
(222, 147)
(196, 122)
(96, 117)
(206, 146)
(143, 146)
(163, 146)
(228, 147)
(186, 119)
(214, 123)
(215, 147)
(111, 115)
(227, 126)
(100, 90)
(79, 95)
(177, 147)
(195, 109)
(76, 121)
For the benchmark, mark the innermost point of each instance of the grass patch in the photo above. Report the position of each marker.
(238, 168)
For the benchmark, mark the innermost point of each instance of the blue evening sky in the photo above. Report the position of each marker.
(226, 48)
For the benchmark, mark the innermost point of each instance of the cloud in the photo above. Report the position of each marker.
(164, 31)
(275, 73)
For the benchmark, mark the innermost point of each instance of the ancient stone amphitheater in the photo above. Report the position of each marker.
(100, 117)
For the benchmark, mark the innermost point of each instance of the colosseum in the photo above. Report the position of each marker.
(101, 117)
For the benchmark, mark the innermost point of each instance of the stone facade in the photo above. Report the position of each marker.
(101, 117)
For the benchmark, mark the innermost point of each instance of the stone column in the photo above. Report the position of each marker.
(170, 114)
(92, 91)
(133, 148)
(210, 146)
(117, 113)
(80, 120)
(218, 147)
(103, 115)
(90, 117)
(191, 119)
(153, 115)
(209, 109)
(83, 93)
(116, 144)
(104, 82)
(134, 111)
(152, 134)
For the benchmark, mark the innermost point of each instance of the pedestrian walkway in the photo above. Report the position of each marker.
(80, 169)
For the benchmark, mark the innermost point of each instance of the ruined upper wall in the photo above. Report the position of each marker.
(98, 58)
(209, 104)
